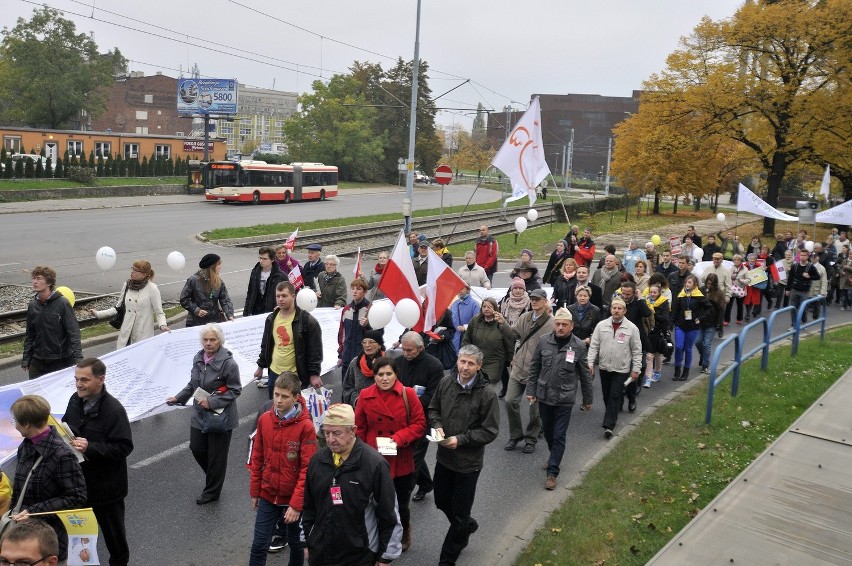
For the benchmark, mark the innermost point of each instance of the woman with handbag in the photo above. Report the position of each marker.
(738, 290)
(215, 384)
(659, 337)
(392, 412)
(204, 296)
(139, 310)
(47, 475)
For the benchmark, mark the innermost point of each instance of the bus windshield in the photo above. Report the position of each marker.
(224, 175)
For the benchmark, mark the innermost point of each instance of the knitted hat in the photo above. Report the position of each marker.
(339, 414)
(518, 282)
(528, 252)
(563, 314)
(376, 336)
(208, 261)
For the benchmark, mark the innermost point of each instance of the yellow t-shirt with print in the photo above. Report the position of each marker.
(284, 353)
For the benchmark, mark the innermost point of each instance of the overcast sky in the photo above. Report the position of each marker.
(508, 50)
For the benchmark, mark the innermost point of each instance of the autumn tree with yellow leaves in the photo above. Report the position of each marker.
(761, 83)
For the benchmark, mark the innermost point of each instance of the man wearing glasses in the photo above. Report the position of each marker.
(29, 543)
(348, 493)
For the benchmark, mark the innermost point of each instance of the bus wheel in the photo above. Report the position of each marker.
(322, 194)
(255, 198)
(287, 197)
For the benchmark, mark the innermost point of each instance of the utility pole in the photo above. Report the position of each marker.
(412, 129)
(570, 161)
(608, 159)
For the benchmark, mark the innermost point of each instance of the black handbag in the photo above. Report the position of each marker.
(215, 422)
(118, 318)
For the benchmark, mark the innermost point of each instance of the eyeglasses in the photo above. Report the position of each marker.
(368, 342)
(4, 562)
(134, 270)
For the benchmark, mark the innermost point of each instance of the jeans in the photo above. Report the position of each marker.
(612, 386)
(264, 525)
(554, 422)
(705, 344)
(454, 494)
(270, 384)
(684, 342)
(796, 300)
(514, 394)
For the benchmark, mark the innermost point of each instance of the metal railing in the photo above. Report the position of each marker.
(741, 357)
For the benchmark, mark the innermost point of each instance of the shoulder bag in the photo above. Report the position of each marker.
(6, 520)
(118, 318)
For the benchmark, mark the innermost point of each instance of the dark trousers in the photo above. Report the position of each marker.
(403, 485)
(421, 468)
(454, 494)
(268, 516)
(796, 300)
(110, 518)
(39, 367)
(270, 384)
(210, 450)
(612, 386)
(554, 425)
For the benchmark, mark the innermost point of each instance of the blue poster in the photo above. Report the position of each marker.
(207, 96)
(10, 438)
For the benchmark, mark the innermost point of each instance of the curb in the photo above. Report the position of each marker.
(508, 556)
(15, 361)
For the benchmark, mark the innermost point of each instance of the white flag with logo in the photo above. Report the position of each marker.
(522, 156)
(825, 188)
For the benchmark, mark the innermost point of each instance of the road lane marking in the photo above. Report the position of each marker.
(176, 449)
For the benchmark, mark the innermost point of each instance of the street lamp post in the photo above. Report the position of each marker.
(412, 129)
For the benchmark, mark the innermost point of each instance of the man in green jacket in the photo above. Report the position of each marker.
(465, 413)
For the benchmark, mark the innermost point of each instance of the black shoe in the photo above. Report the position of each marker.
(512, 444)
(205, 499)
(529, 448)
(685, 375)
(631, 405)
(421, 494)
(667, 360)
(277, 544)
(502, 395)
(676, 376)
(474, 526)
(607, 433)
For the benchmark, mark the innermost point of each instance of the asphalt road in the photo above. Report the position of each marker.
(165, 525)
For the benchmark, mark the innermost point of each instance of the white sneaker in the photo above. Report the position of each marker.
(262, 383)
(647, 383)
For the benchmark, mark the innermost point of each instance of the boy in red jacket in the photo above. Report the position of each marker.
(284, 443)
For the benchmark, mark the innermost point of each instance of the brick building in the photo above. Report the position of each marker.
(143, 105)
(592, 118)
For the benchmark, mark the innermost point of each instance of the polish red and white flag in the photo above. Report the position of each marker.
(442, 287)
(291, 241)
(356, 271)
(295, 277)
(398, 279)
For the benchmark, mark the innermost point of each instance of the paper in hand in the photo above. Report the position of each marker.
(435, 436)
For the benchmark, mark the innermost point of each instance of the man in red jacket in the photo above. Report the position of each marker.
(283, 446)
(585, 252)
(486, 252)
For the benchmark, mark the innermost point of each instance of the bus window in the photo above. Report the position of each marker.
(224, 178)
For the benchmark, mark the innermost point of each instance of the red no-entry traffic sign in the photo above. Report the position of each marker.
(443, 175)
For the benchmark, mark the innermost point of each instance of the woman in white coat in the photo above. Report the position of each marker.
(143, 306)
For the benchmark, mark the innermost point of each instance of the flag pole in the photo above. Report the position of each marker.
(447, 240)
(561, 202)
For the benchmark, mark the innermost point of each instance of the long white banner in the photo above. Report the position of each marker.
(747, 201)
(840, 214)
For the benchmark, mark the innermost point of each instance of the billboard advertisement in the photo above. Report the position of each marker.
(207, 96)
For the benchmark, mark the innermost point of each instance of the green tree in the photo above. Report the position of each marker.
(48, 169)
(49, 72)
(39, 170)
(478, 129)
(8, 171)
(59, 172)
(19, 169)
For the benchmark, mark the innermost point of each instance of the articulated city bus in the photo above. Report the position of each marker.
(258, 181)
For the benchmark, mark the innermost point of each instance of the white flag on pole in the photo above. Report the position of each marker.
(522, 156)
(747, 201)
(825, 189)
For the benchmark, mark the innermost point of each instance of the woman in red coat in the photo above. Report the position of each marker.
(392, 412)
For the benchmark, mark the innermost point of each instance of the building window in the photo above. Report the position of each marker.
(12, 144)
(75, 148)
(131, 150)
(149, 99)
(103, 149)
(141, 114)
(163, 151)
(141, 129)
(179, 133)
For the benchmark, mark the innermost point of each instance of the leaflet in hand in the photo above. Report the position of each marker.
(202, 394)
(386, 446)
(436, 436)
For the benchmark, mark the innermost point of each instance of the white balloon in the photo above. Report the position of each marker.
(520, 224)
(532, 214)
(306, 299)
(380, 313)
(720, 217)
(105, 257)
(176, 261)
(407, 312)
(809, 245)
(697, 254)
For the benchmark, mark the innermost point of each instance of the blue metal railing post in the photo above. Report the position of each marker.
(767, 334)
(735, 384)
(799, 325)
(714, 381)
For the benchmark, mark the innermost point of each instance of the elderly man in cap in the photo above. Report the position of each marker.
(313, 267)
(616, 348)
(421, 262)
(349, 493)
(531, 326)
(558, 364)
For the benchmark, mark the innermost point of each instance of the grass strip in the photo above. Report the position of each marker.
(30, 184)
(659, 477)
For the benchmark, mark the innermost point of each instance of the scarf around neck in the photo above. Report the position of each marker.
(136, 285)
(365, 365)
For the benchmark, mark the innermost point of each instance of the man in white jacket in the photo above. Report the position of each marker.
(472, 273)
(616, 347)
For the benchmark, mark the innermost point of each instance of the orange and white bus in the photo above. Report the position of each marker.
(258, 181)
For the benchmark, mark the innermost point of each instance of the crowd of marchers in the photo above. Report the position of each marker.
(340, 493)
